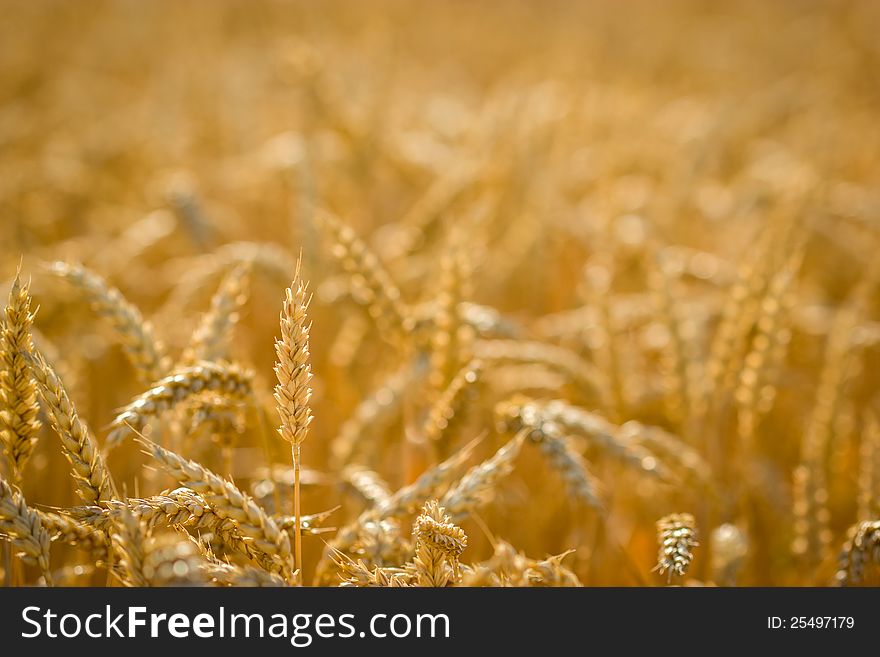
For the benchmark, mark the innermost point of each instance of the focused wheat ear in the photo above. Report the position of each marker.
(293, 392)
(431, 483)
(677, 536)
(19, 423)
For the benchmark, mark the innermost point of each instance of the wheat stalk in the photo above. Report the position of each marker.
(293, 391)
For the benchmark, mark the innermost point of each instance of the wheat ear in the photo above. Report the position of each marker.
(560, 415)
(371, 283)
(93, 480)
(680, 364)
(451, 338)
(144, 350)
(550, 572)
(439, 544)
(368, 484)
(677, 536)
(520, 414)
(440, 421)
(224, 380)
(226, 574)
(357, 574)
(598, 279)
(861, 548)
(477, 486)
(228, 501)
(293, 392)
(210, 340)
(64, 528)
(23, 526)
(19, 425)
(431, 483)
(183, 508)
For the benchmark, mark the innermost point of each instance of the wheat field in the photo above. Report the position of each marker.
(396, 293)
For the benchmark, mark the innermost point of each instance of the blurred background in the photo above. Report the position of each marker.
(155, 142)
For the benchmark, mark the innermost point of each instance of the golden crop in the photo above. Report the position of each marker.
(555, 293)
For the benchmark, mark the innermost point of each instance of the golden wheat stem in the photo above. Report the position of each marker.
(295, 449)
